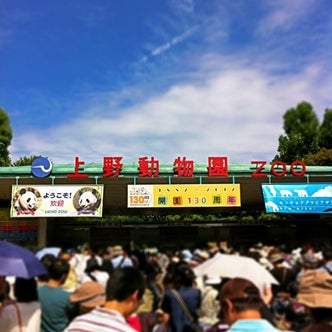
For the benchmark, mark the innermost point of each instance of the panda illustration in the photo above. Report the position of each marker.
(26, 201)
(87, 200)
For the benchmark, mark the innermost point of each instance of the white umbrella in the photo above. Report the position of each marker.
(48, 250)
(232, 266)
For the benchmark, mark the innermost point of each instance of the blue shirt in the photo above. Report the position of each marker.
(178, 321)
(255, 325)
(55, 305)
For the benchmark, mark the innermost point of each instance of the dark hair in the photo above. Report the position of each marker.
(91, 265)
(25, 290)
(184, 275)
(327, 253)
(124, 282)
(321, 315)
(58, 268)
(47, 261)
(251, 301)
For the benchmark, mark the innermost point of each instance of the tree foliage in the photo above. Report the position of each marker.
(25, 161)
(322, 158)
(301, 127)
(325, 130)
(6, 136)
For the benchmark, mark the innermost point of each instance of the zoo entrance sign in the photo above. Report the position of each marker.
(182, 167)
(87, 201)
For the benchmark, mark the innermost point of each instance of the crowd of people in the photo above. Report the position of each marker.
(157, 290)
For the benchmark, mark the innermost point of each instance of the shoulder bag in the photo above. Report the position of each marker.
(186, 310)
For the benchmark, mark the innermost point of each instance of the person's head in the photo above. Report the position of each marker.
(47, 261)
(276, 258)
(25, 290)
(117, 251)
(152, 254)
(308, 259)
(92, 265)
(327, 253)
(125, 289)
(315, 292)
(239, 296)
(59, 270)
(214, 282)
(184, 275)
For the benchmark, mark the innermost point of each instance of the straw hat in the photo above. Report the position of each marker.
(89, 294)
(315, 289)
(204, 255)
(276, 257)
(117, 250)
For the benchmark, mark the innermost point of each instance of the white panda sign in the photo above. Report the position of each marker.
(87, 200)
(59, 201)
(27, 201)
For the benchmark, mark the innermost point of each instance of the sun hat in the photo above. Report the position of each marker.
(187, 255)
(276, 257)
(152, 251)
(117, 250)
(204, 255)
(213, 281)
(315, 289)
(90, 294)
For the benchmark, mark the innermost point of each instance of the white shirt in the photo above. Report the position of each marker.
(101, 320)
(30, 316)
(101, 277)
(116, 261)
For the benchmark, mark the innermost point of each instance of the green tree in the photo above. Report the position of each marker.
(5, 138)
(325, 131)
(322, 158)
(301, 127)
(25, 161)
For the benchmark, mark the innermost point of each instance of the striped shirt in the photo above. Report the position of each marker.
(101, 320)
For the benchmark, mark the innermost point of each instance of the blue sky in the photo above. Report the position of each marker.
(162, 78)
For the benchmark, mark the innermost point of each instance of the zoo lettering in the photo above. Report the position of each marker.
(217, 166)
(279, 168)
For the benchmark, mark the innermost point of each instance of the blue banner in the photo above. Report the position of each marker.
(298, 198)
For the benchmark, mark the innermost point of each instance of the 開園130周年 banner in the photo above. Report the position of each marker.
(184, 195)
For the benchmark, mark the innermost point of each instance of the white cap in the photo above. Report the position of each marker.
(213, 281)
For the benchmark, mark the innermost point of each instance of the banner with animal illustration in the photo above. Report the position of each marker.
(298, 198)
(184, 195)
(57, 201)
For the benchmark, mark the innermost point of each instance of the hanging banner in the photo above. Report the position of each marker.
(56, 201)
(298, 198)
(184, 195)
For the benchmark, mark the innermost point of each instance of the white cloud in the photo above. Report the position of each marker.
(182, 6)
(166, 46)
(283, 15)
(236, 112)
